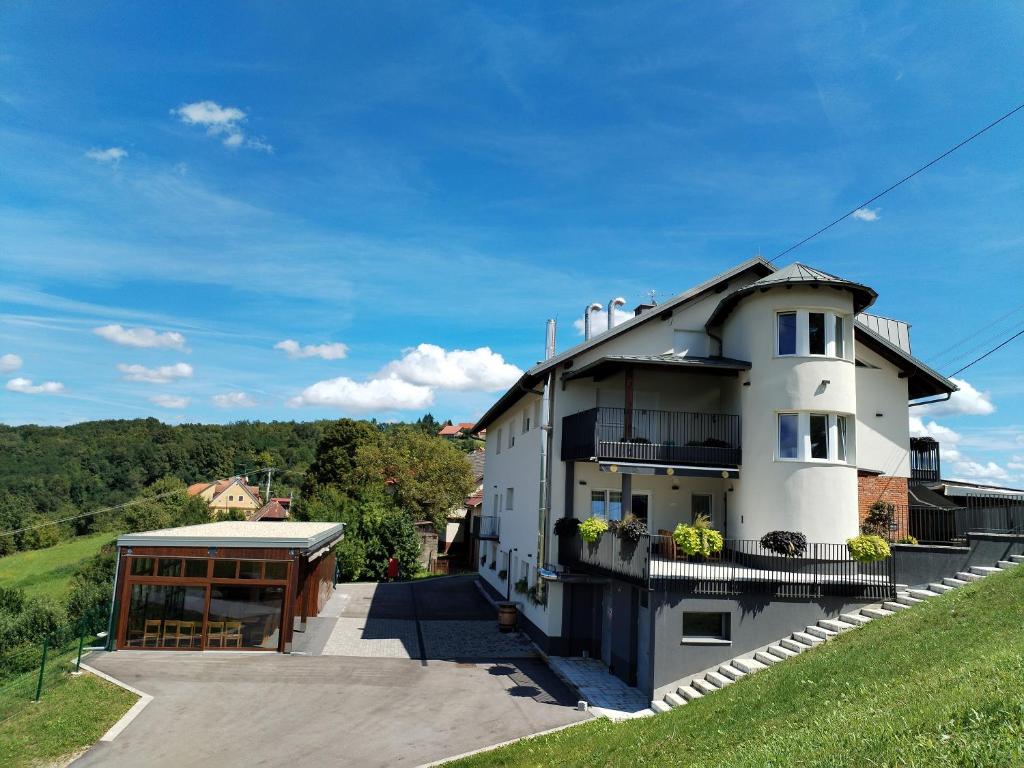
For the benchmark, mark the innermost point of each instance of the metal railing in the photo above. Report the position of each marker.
(950, 526)
(742, 567)
(489, 526)
(638, 434)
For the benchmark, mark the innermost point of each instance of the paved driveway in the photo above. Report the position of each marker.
(353, 706)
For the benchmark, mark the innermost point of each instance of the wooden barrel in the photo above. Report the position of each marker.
(507, 615)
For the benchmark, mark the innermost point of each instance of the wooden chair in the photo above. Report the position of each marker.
(233, 633)
(151, 631)
(667, 545)
(215, 634)
(186, 637)
(170, 634)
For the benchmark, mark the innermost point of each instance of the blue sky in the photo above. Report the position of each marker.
(368, 178)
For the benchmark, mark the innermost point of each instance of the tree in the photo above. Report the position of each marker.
(335, 460)
(428, 424)
(385, 531)
(427, 476)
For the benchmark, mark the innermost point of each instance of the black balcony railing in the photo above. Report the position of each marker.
(950, 526)
(489, 527)
(638, 434)
(742, 567)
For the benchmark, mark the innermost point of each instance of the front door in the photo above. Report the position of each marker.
(641, 505)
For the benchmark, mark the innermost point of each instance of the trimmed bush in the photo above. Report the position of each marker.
(908, 540)
(785, 543)
(592, 528)
(868, 548)
(699, 538)
(879, 519)
(566, 526)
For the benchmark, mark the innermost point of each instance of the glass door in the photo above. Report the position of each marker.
(641, 505)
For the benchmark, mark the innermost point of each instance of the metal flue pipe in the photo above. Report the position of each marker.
(614, 304)
(588, 328)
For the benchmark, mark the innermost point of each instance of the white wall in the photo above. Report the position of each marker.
(883, 441)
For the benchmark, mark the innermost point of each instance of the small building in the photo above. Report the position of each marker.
(230, 493)
(272, 510)
(462, 429)
(235, 585)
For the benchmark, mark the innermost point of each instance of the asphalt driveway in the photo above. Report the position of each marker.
(421, 701)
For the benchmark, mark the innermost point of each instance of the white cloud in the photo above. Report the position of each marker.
(1016, 463)
(967, 401)
(109, 155)
(224, 122)
(9, 362)
(390, 394)
(233, 400)
(948, 438)
(866, 214)
(169, 401)
(332, 351)
(972, 470)
(599, 321)
(464, 370)
(25, 386)
(140, 337)
(160, 375)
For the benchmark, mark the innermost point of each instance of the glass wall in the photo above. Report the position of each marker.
(161, 616)
(244, 616)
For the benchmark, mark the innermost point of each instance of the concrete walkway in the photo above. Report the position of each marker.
(606, 694)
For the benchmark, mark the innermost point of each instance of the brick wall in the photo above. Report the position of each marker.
(872, 488)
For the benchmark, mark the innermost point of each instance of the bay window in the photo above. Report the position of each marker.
(801, 333)
(815, 437)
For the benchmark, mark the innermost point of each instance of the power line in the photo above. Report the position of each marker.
(956, 345)
(886, 191)
(979, 359)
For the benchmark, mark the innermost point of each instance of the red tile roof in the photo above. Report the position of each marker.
(272, 510)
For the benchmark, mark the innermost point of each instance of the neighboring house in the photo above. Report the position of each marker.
(462, 429)
(763, 399)
(458, 538)
(272, 510)
(231, 493)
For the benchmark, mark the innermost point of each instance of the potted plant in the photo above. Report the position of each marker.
(592, 528)
(868, 548)
(699, 539)
(785, 543)
(566, 526)
(632, 528)
(521, 586)
(502, 574)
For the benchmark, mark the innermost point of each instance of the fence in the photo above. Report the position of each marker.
(950, 526)
(30, 670)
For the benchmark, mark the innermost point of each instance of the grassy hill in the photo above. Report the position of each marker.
(46, 572)
(939, 685)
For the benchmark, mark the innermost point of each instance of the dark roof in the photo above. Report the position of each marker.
(922, 380)
(921, 496)
(794, 274)
(535, 375)
(272, 510)
(611, 363)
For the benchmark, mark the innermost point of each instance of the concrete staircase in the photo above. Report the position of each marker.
(823, 631)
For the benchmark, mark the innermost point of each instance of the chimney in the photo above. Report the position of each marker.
(588, 328)
(641, 308)
(614, 304)
(549, 340)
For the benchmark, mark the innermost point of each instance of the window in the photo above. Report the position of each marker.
(498, 441)
(816, 333)
(225, 569)
(815, 437)
(250, 569)
(606, 504)
(142, 566)
(167, 567)
(278, 570)
(837, 335)
(787, 333)
(526, 421)
(497, 504)
(700, 504)
(840, 437)
(511, 437)
(509, 504)
(195, 569)
(701, 626)
(788, 435)
(819, 436)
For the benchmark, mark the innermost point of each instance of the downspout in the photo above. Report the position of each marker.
(547, 437)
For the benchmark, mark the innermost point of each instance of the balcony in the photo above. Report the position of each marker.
(659, 437)
(488, 527)
(742, 567)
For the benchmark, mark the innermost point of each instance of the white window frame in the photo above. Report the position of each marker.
(796, 341)
(510, 499)
(803, 451)
(803, 346)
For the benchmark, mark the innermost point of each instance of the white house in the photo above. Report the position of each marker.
(765, 399)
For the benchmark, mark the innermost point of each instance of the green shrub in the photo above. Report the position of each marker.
(908, 540)
(785, 543)
(521, 586)
(592, 528)
(868, 548)
(699, 538)
(879, 519)
(566, 526)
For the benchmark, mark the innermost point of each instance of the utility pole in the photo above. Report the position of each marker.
(270, 471)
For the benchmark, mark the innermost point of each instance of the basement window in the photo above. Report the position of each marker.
(706, 628)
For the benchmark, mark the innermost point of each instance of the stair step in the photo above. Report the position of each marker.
(689, 693)
(890, 605)
(660, 706)
(951, 582)
(983, 570)
(782, 652)
(806, 639)
(1007, 564)
(922, 594)
(966, 576)
(748, 665)
(907, 600)
(733, 673)
(704, 686)
(1017, 558)
(674, 700)
(766, 658)
(833, 625)
(876, 613)
(718, 679)
(940, 588)
(855, 619)
(820, 632)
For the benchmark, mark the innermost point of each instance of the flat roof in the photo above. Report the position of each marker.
(305, 536)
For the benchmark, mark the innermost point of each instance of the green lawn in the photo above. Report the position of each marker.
(46, 572)
(72, 714)
(939, 685)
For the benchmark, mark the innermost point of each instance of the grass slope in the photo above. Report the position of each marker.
(47, 572)
(939, 685)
